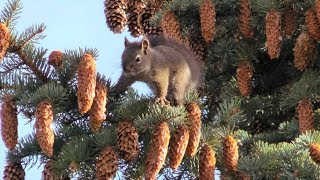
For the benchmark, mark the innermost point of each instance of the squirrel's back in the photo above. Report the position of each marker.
(158, 41)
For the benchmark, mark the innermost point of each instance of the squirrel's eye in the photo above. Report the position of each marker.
(138, 59)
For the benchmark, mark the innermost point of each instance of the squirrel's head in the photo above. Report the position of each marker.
(135, 57)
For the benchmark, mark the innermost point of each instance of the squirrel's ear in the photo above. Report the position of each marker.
(145, 44)
(126, 42)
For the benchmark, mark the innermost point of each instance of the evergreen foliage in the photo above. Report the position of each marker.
(264, 124)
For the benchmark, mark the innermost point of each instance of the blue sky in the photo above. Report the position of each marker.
(70, 24)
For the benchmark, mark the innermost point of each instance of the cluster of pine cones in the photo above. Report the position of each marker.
(137, 14)
(305, 49)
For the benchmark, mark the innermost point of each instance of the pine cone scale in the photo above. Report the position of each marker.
(9, 122)
(157, 152)
(273, 33)
(44, 132)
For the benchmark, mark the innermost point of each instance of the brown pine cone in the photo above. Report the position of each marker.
(177, 146)
(244, 78)
(313, 24)
(305, 114)
(86, 83)
(148, 28)
(97, 112)
(106, 164)
(207, 163)
(48, 174)
(128, 140)
(317, 8)
(230, 154)
(198, 47)
(4, 40)
(305, 51)
(55, 59)
(157, 152)
(314, 150)
(13, 171)
(134, 23)
(171, 27)
(194, 115)
(273, 33)
(289, 21)
(208, 20)
(9, 121)
(115, 12)
(44, 132)
(244, 18)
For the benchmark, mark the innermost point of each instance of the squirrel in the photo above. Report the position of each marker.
(169, 68)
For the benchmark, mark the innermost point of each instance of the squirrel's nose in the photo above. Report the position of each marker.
(128, 69)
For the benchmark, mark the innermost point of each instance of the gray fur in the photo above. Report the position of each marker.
(169, 68)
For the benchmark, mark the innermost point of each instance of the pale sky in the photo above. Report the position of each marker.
(70, 24)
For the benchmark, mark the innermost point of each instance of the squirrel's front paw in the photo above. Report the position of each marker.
(162, 101)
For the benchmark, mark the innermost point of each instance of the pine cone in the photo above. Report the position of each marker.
(230, 154)
(305, 114)
(225, 176)
(86, 83)
(98, 108)
(273, 33)
(73, 166)
(4, 40)
(13, 172)
(138, 5)
(194, 128)
(208, 20)
(134, 23)
(128, 140)
(244, 18)
(317, 8)
(178, 145)
(289, 21)
(207, 163)
(158, 4)
(9, 122)
(134, 12)
(48, 174)
(148, 28)
(242, 176)
(171, 27)
(55, 59)
(157, 152)
(107, 164)
(313, 24)
(115, 15)
(44, 132)
(198, 46)
(244, 78)
(314, 150)
(305, 51)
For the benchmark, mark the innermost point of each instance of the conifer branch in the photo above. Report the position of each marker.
(106, 137)
(52, 91)
(25, 60)
(11, 11)
(308, 86)
(31, 35)
(27, 151)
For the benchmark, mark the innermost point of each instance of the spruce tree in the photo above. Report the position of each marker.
(256, 116)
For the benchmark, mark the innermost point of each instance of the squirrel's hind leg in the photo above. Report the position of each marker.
(179, 85)
(161, 84)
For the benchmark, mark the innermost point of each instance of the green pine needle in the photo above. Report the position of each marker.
(11, 12)
(105, 137)
(158, 113)
(52, 91)
(308, 86)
